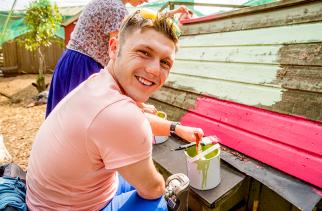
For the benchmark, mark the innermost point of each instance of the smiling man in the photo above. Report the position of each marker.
(97, 131)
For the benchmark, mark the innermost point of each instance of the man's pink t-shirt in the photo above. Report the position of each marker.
(93, 131)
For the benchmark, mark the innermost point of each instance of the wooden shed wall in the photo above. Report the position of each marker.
(68, 31)
(268, 57)
(27, 61)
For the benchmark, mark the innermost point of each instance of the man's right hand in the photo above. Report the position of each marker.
(181, 10)
(188, 133)
(147, 108)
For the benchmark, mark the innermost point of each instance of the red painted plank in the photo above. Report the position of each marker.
(294, 131)
(258, 134)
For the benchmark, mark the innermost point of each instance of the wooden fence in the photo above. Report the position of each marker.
(19, 60)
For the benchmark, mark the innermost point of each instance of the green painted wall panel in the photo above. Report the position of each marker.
(301, 33)
(244, 73)
(243, 20)
(244, 54)
(249, 94)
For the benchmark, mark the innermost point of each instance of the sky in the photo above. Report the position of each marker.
(5, 5)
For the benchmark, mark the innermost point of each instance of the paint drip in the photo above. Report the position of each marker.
(203, 164)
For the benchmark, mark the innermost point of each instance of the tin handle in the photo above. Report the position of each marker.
(204, 153)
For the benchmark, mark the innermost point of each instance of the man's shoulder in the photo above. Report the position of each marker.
(125, 109)
(124, 118)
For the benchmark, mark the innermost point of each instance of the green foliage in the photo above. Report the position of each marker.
(42, 20)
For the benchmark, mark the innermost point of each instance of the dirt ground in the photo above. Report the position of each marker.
(19, 123)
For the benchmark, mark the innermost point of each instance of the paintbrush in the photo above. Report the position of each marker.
(198, 144)
(185, 146)
(204, 141)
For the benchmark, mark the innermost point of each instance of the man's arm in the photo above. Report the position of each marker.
(147, 108)
(161, 127)
(122, 138)
(181, 10)
(143, 175)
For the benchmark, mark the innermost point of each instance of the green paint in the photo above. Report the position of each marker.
(203, 166)
(161, 114)
(203, 163)
(251, 94)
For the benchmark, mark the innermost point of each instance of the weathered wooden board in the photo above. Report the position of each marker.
(177, 98)
(269, 15)
(300, 78)
(301, 33)
(244, 73)
(299, 103)
(249, 94)
(301, 54)
(231, 54)
(9, 51)
(293, 102)
(27, 60)
(290, 54)
(306, 78)
(270, 196)
(302, 195)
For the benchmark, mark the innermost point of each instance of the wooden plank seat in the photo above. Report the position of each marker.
(300, 194)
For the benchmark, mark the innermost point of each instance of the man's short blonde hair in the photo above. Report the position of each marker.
(144, 19)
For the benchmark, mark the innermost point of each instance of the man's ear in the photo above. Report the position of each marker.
(113, 46)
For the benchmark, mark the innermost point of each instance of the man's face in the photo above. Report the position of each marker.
(142, 63)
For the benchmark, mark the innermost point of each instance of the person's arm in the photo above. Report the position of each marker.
(147, 108)
(181, 10)
(161, 127)
(121, 137)
(148, 182)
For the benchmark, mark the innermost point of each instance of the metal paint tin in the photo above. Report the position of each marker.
(204, 173)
